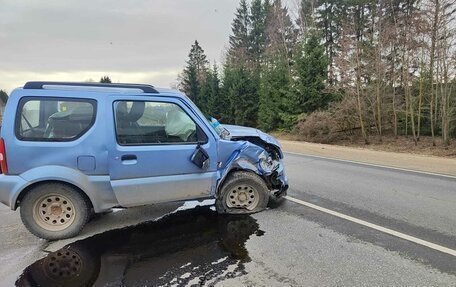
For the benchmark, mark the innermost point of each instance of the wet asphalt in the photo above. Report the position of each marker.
(290, 245)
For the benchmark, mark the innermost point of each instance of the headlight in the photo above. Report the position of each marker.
(267, 164)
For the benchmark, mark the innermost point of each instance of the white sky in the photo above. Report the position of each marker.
(130, 41)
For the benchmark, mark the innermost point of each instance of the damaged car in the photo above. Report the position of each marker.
(69, 150)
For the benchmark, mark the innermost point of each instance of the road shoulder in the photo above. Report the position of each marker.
(431, 164)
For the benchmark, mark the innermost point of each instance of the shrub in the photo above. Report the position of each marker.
(317, 127)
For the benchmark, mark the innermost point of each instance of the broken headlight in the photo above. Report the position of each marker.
(267, 164)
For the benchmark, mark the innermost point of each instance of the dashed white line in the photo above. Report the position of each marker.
(372, 164)
(376, 227)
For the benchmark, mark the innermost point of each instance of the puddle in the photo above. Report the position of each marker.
(195, 247)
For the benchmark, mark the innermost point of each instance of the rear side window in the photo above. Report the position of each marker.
(54, 119)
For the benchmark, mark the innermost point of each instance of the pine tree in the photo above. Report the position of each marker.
(105, 79)
(241, 70)
(241, 93)
(275, 103)
(190, 83)
(275, 99)
(257, 36)
(239, 39)
(194, 75)
(198, 59)
(329, 19)
(311, 70)
(214, 104)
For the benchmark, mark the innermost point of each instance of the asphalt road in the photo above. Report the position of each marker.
(291, 245)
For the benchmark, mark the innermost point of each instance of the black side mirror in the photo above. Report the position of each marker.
(200, 158)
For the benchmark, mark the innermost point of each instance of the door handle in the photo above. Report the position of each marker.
(128, 157)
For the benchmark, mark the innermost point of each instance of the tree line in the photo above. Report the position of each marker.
(3, 96)
(364, 67)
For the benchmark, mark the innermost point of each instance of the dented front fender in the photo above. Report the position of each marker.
(251, 157)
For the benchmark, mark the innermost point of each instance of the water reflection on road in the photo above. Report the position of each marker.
(195, 247)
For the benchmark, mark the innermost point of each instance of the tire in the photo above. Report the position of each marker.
(247, 192)
(54, 211)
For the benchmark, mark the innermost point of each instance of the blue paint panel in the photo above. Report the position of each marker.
(86, 163)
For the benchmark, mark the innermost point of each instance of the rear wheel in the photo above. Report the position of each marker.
(54, 211)
(242, 193)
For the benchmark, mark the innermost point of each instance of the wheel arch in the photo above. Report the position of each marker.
(244, 159)
(30, 187)
(97, 189)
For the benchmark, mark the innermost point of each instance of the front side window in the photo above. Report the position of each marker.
(52, 119)
(142, 123)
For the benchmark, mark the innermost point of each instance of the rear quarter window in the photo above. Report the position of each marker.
(54, 119)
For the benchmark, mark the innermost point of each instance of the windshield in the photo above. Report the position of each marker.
(211, 121)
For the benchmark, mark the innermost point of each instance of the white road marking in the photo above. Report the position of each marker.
(376, 227)
(374, 165)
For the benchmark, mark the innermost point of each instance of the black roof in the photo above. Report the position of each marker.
(39, 85)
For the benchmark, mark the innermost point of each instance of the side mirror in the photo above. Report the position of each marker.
(200, 158)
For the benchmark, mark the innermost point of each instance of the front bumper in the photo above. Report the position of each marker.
(278, 181)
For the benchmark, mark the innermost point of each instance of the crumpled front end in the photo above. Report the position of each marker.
(267, 163)
(272, 169)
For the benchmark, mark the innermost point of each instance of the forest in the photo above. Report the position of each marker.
(326, 69)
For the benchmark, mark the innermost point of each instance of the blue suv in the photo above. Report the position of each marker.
(68, 150)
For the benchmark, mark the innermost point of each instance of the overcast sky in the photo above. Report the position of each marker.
(141, 41)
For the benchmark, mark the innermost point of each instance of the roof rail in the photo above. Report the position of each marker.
(40, 85)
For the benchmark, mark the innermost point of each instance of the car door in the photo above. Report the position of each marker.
(151, 158)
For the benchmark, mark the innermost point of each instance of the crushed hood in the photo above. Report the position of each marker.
(240, 132)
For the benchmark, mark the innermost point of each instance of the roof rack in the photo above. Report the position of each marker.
(41, 85)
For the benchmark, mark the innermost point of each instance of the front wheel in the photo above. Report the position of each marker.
(242, 193)
(54, 211)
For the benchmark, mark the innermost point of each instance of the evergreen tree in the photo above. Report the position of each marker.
(329, 19)
(311, 70)
(215, 104)
(241, 71)
(198, 59)
(275, 99)
(239, 39)
(105, 79)
(190, 84)
(194, 75)
(275, 103)
(241, 93)
(3, 96)
(257, 36)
